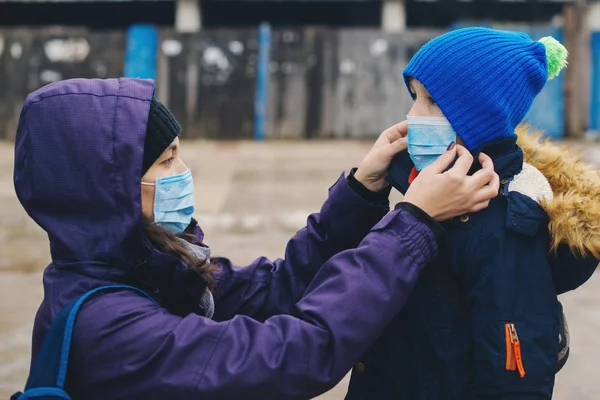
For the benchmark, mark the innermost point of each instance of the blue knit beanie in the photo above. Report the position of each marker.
(485, 80)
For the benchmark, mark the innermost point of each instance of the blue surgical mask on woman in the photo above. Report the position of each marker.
(428, 138)
(173, 201)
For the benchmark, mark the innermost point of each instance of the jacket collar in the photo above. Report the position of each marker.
(169, 280)
(505, 153)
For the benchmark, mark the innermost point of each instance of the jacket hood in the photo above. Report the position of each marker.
(78, 163)
(574, 208)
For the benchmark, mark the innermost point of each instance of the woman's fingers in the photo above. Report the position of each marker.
(479, 206)
(482, 177)
(485, 161)
(463, 163)
(397, 131)
(394, 148)
(372, 170)
(442, 162)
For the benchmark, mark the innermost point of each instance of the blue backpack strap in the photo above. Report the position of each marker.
(49, 370)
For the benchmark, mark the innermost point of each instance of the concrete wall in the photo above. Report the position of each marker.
(30, 59)
(324, 83)
(207, 80)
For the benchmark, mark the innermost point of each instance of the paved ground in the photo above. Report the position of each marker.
(251, 198)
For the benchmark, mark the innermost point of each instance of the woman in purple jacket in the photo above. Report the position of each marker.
(97, 166)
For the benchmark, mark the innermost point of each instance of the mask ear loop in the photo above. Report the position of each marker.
(148, 184)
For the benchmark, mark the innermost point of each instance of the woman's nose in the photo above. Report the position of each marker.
(181, 167)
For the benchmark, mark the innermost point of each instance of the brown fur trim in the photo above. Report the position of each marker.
(575, 210)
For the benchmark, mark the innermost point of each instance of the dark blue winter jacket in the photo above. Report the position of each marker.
(483, 319)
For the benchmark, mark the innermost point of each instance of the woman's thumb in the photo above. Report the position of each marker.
(443, 162)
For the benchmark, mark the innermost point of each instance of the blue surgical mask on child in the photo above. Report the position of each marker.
(173, 201)
(428, 138)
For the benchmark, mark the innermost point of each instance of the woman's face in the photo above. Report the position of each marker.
(169, 163)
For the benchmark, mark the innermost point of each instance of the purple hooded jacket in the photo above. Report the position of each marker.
(284, 329)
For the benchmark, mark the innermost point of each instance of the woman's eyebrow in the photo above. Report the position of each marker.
(172, 147)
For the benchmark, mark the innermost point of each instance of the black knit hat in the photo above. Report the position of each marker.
(162, 129)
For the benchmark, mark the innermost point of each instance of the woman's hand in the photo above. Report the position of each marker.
(372, 170)
(444, 195)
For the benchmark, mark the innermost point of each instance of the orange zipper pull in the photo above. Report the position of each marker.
(510, 360)
(516, 349)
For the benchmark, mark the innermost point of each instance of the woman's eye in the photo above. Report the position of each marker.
(168, 161)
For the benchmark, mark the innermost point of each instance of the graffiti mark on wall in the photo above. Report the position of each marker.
(290, 37)
(347, 66)
(215, 57)
(67, 50)
(216, 66)
(236, 47)
(171, 47)
(48, 76)
(378, 47)
(16, 51)
(100, 69)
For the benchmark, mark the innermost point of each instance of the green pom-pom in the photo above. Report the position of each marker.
(556, 56)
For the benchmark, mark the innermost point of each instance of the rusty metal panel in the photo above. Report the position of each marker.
(286, 114)
(318, 82)
(15, 48)
(369, 92)
(210, 85)
(33, 58)
(77, 55)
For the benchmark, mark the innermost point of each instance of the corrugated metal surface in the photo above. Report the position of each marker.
(207, 79)
(72, 1)
(29, 59)
(323, 82)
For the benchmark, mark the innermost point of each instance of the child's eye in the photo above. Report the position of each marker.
(413, 96)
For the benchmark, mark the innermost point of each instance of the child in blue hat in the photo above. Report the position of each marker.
(484, 321)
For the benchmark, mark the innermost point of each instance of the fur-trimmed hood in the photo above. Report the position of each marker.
(574, 208)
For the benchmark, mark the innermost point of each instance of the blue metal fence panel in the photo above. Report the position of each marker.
(140, 53)
(548, 110)
(595, 82)
(262, 81)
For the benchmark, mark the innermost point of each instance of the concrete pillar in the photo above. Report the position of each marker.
(187, 16)
(593, 16)
(593, 21)
(577, 75)
(393, 18)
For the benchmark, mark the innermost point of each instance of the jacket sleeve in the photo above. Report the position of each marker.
(137, 350)
(514, 316)
(570, 271)
(265, 287)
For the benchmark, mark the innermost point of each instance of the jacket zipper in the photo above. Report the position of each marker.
(513, 350)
